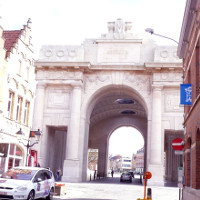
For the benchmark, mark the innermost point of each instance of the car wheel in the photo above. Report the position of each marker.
(50, 196)
(31, 195)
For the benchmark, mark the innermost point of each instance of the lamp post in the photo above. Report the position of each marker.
(151, 31)
(32, 134)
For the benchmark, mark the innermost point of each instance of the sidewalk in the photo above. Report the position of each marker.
(115, 191)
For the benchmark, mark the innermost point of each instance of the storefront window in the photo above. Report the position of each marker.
(12, 149)
(17, 162)
(3, 149)
(10, 163)
(2, 164)
(18, 151)
(11, 159)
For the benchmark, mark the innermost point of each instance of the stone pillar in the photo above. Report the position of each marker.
(71, 163)
(39, 107)
(156, 146)
(38, 122)
(102, 167)
(83, 152)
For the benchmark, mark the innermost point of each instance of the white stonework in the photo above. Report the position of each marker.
(76, 94)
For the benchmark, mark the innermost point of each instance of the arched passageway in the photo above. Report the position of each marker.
(114, 108)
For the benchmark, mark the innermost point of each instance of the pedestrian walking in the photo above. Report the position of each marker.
(112, 173)
(58, 174)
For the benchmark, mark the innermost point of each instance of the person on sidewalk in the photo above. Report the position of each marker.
(112, 173)
(58, 174)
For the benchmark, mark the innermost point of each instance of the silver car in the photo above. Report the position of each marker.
(126, 176)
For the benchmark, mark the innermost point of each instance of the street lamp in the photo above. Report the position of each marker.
(151, 31)
(32, 134)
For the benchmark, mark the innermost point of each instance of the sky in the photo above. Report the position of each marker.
(125, 141)
(70, 22)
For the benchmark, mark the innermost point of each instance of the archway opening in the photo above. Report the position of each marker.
(112, 108)
(126, 151)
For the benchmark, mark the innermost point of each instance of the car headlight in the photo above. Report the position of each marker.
(21, 188)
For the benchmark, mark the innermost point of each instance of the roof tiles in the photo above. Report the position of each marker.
(10, 39)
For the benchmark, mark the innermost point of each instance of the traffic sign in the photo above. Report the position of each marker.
(179, 152)
(178, 144)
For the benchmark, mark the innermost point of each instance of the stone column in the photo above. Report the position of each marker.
(83, 152)
(39, 107)
(71, 163)
(73, 130)
(156, 140)
(156, 146)
(102, 162)
(38, 122)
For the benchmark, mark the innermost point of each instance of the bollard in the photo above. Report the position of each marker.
(147, 175)
(149, 194)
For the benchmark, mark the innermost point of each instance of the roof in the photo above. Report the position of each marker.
(115, 157)
(10, 39)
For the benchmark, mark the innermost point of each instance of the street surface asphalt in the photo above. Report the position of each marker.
(112, 189)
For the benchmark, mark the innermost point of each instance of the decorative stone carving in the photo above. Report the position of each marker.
(118, 30)
(119, 26)
(48, 53)
(55, 74)
(169, 77)
(128, 26)
(60, 53)
(93, 80)
(140, 82)
(164, 54)
(58, 98)
(72, 53)
(111, 27)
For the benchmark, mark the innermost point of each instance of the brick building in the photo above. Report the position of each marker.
(139, 161)
(188, 50)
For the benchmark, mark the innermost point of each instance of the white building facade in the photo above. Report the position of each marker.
(17, 80)
(86, 92)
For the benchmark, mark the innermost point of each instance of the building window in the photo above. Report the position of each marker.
(10, 105)
(26, 112)
(19, 109)
(12, 156)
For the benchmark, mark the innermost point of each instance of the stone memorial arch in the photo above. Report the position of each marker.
(86, 92)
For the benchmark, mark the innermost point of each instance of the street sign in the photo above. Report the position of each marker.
(178, 152)
(178, 144)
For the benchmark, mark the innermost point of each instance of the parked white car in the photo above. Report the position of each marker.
(27, 183)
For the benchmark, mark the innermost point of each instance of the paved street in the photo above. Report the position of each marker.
(111, 188)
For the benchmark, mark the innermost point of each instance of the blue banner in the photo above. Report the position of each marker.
(186, 94)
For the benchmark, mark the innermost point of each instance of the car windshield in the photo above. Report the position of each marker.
(19, 174)
(126, 174)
